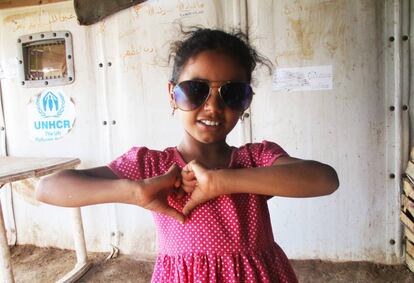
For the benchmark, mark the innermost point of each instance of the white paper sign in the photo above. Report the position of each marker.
(51, 116)
(302, 79)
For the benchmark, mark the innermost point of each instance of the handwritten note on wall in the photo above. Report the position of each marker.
(302, 79)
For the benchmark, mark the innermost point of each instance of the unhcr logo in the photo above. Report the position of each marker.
(50, 105)
(51, 115)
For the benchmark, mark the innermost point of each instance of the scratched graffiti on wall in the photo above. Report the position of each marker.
(42, 19)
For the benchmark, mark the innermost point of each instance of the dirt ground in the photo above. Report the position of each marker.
(33, 264)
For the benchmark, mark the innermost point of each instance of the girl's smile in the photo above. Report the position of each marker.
(213, 120)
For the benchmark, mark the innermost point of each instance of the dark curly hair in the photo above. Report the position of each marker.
(234, 44)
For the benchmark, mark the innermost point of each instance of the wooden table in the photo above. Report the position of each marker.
(19, 168)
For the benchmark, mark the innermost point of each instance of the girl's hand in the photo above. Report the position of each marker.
(153, 195)
(197, 181)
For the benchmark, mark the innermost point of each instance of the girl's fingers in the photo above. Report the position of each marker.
(178, 182)
(195, 167)
(180, 193)
(188, 189)
(190, 205)
(173, 168)
(189, 183)
(187, 175)
(172, 177)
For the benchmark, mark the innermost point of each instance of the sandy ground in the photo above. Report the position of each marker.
(33, 264)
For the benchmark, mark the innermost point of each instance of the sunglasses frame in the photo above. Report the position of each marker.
(209, 92)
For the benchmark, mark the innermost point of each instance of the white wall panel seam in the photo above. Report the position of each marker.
(405, 101)
(111, 208)
(410, 36)
(396, 129)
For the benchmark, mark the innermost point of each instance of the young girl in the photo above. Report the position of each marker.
(208, 198)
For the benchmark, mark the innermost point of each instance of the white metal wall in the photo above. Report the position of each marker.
(130, 89)
(344, 127)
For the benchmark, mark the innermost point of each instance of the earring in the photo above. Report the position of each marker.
(244, 116)
(173, 111)
(173, 106)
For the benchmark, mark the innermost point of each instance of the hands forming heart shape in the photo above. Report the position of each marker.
(193, 179)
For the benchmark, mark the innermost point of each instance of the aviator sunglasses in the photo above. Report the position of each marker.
(189, 95)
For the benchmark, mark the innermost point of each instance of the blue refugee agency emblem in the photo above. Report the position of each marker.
(50, 104)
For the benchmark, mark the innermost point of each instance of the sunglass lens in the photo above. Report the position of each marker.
(237, 95)
(190, 94)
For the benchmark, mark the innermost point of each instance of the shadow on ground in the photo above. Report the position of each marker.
(33, 264)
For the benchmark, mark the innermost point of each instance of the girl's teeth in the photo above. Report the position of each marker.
(210, 123)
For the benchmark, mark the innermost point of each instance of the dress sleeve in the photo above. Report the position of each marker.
(267, 152)
(130, 165)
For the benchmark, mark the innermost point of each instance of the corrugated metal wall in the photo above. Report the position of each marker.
(344, 127)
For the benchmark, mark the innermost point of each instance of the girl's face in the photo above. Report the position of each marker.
(212, 121)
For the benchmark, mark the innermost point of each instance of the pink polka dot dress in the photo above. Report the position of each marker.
(228, 239)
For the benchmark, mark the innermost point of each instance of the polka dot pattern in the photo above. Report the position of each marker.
(228, 239)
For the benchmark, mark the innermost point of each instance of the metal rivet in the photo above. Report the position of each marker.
(405, 107)
(67, 34)
(42, 35)
(392, 242)
(19, 40)
(46, 82)
(69, 56)
(54, 34)
(392, 108)
(113, 122)
(109, 64)
(100, 65)
(392, 176)
(22, 83)
(70, 79)
(20, 62)
(405, 37)
(391, 38)
(104, 123)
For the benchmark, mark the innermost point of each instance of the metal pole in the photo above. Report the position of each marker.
(79, 237)
(5, 260)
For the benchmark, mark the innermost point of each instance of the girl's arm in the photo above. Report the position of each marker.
(288, 177)
(75, 188)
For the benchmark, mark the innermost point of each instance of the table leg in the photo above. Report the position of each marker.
(5, 260)
(82, 264)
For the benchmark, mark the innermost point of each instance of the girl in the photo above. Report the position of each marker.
(208, 198)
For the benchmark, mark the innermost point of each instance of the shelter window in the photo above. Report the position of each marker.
(46, 59)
